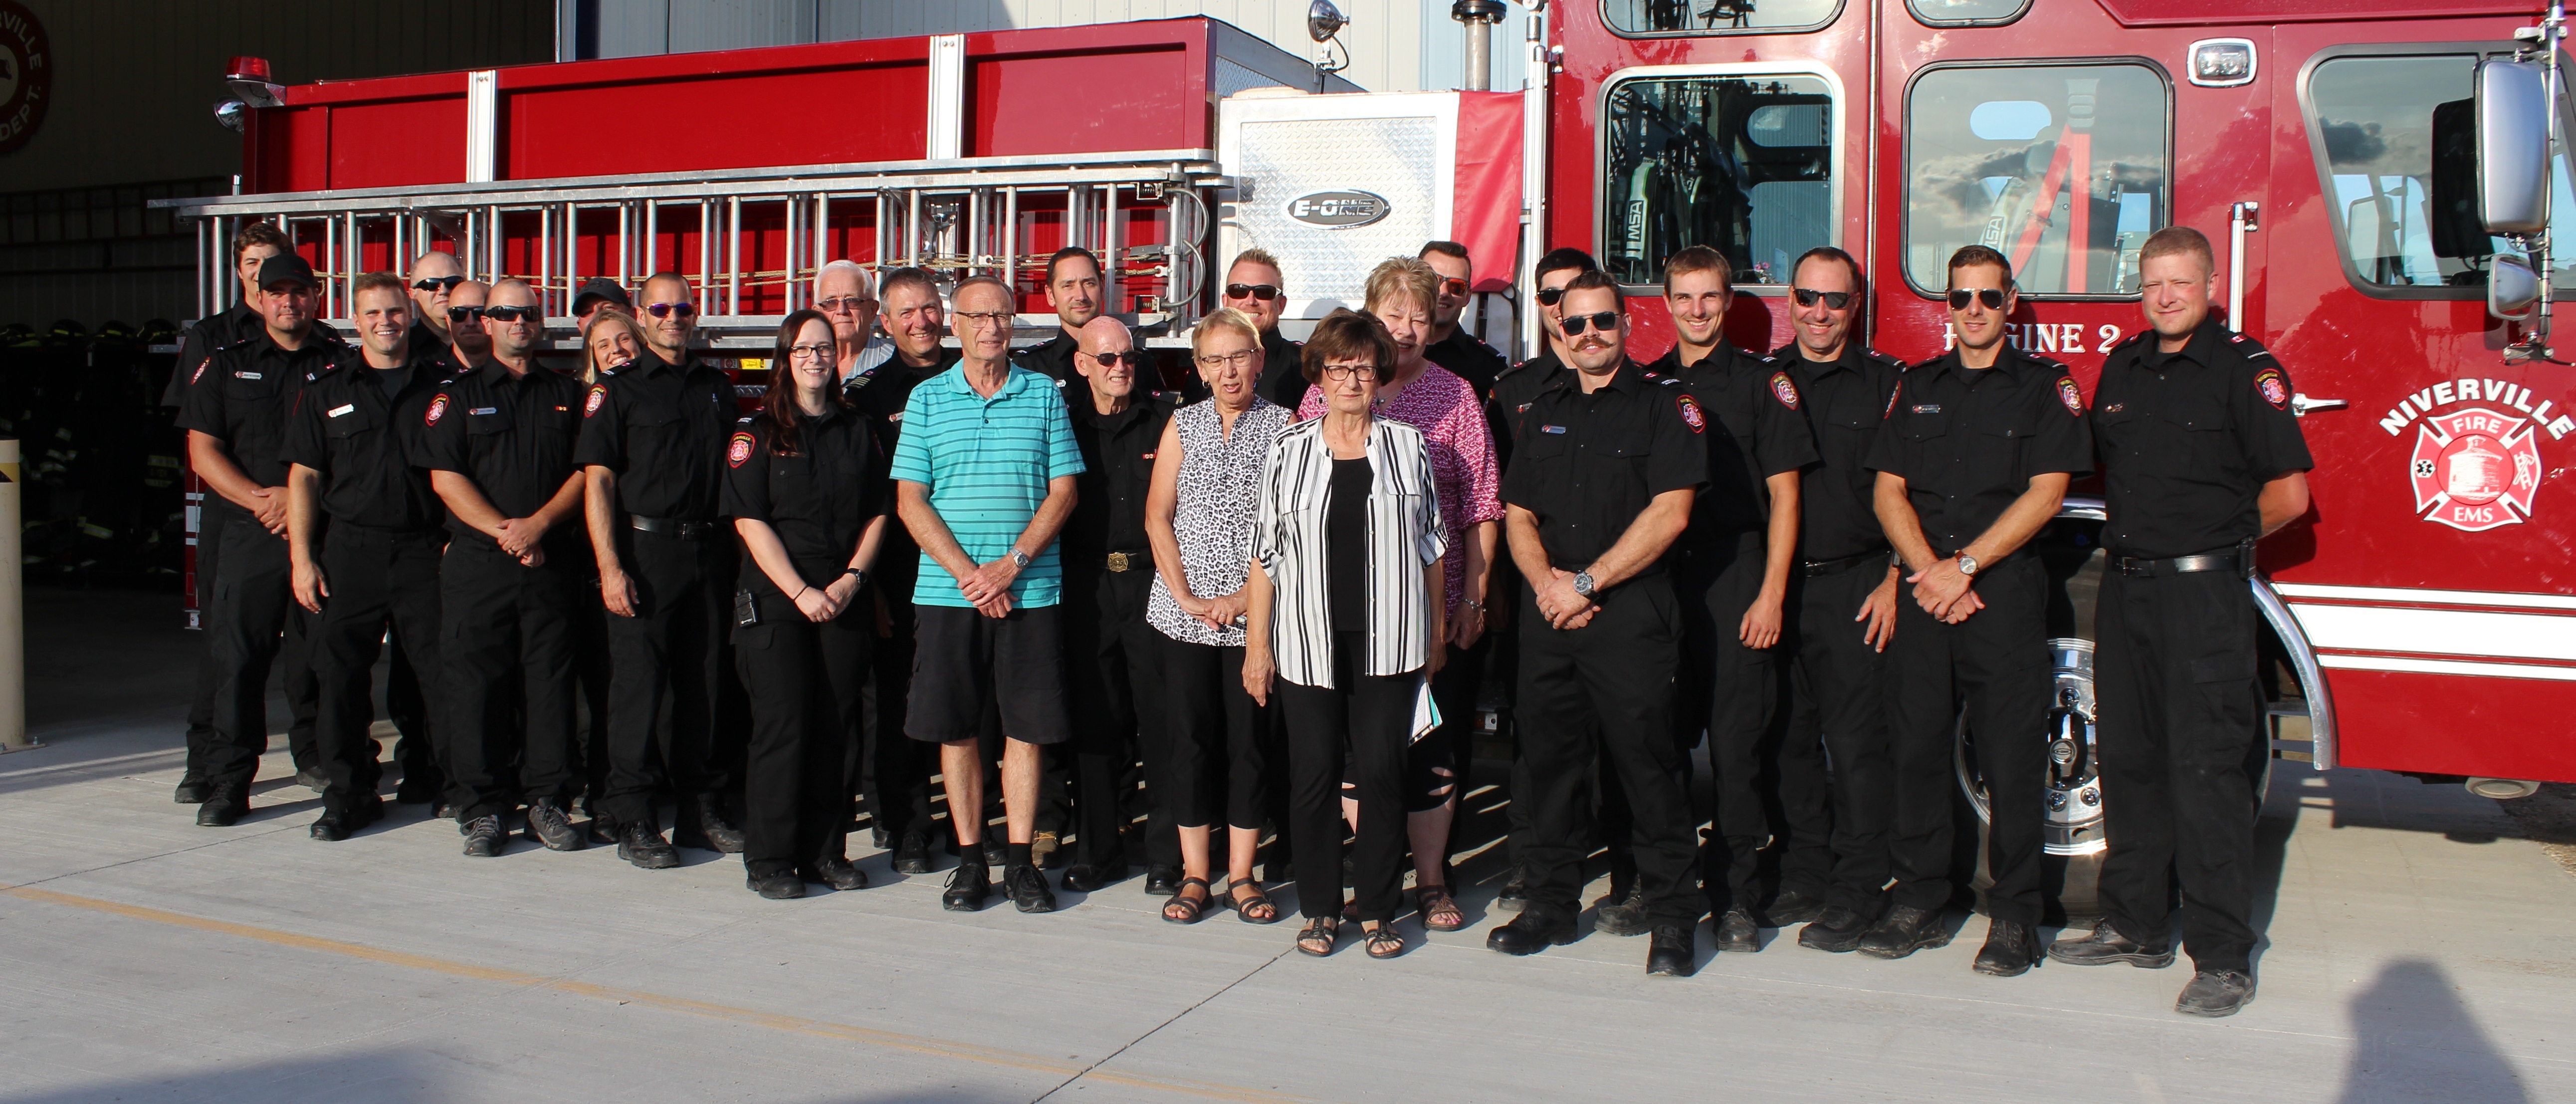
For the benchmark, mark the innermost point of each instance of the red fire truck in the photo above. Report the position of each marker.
(2355, 161)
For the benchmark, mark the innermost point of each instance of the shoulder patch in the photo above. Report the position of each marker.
(1783, 390)
(740, 449)
(437, 410)
(2071, 395)
(1690, 411)
(2274, 385)
(598, 395)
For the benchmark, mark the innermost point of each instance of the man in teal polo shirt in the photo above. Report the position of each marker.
(984, 480)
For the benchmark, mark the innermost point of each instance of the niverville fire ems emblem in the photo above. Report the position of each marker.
(2475, 469)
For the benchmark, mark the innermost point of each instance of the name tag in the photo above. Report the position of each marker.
(485, 410)
(247, 375)
(1551, 429)
(340, 410)
(1926, 408)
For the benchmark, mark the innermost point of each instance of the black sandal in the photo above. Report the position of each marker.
(1440, 911)
(1322, 929)
(1191, 907)
(1257, 900)
(1384, 942)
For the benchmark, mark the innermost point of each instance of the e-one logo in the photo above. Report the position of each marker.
(1338, 210)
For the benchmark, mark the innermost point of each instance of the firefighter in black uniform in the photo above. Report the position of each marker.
(351, 441)
(1074, 288)
(2202, 456)
(1842, 606)
(1115, 690)
(653, 447)
(805, 485)
(236, 423)
(897, 783)
(1732, 571)
(1974, 456)
(1451, 346)
(498, 443)
(253, 245)
(1599, 488)
(1255, 285)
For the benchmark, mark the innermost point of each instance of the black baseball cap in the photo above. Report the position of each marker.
(284, 267)
(601, 287)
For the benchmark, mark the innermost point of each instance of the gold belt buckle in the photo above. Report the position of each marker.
(1117, 561)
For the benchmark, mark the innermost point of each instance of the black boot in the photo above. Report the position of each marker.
(2105, 945)
(1904, 930)
(1534, 930)
(701, 824)
(837, 872)
(223, 807)
(2215, 993)
(2009, 951)
(1838, 930)
(639, 843)
(1736, 932)
(1671, 954)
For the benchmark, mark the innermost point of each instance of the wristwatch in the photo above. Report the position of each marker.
(1583, 583)
(859, 574)
(1967, 565)
(1019, 559)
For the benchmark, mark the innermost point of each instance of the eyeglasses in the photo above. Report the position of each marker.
(1993, 298)
(1453, 286)
(993, 318)
(1365, 373)
(665, 310)
(810, 352)
(464, 314)
(1833, 300)
(1604, 321)
(1263, 292)
(1112, 360)
(511, 314)
(1237, 358)
(438, 283)
(839, 303)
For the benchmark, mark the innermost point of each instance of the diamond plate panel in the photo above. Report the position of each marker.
(1393, 158)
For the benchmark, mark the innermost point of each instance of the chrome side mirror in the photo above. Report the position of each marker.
(2512, 287)
(2513, 148)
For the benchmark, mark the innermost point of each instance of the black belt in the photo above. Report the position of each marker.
(1813, 568)
(1128, 561)
(672, 527)
(2178, 565)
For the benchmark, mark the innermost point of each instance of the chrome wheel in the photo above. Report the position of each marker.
(2073, 788)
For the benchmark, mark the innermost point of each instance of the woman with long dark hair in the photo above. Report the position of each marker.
(804, 483)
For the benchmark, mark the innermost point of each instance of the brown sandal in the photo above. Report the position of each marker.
(1440, 911)
(1384, 942)
(1258, 900)
(1190, 907)
(1319, 935)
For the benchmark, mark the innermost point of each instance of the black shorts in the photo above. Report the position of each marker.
(967, 667)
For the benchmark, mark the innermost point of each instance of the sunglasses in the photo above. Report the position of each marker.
(1833, 300)
(510, 314)
(1452, 285)
(1112, 360)
(1604, 321)
(1547, 297)
(664, 310)
(1993, 298)
(1263, 292)
(464, 314)
(438, 283)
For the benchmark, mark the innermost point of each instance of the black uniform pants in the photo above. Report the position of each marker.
(505, 647)
(2179, 717)
(377, 578)
(590, 672)
(1366, 721)
(254, 624)
(201, 709)
(1837, 706)
(892, 772)
(666, 652)
(1209, 762)
(804, 680)
(1996, 663)
(1115, 688)
(1605, 691)
(1732, 689)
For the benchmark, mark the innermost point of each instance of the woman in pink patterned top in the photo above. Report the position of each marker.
(1401, 294)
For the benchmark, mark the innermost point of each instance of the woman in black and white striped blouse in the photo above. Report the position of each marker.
(1346, 603)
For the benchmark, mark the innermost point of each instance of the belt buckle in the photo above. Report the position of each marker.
(1117, 561)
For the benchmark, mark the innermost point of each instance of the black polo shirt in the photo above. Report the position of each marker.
(512, 435)
(661, 428)
(243, 394)
(819, 500)
(1587, 465)
(197, 347)
(1283, 373)
(880, 393)
(2188, 439)
(363, 442)
(1845, 401)
(1118, 468)
(1969, 441)
(1471, 360)
(1748, 406)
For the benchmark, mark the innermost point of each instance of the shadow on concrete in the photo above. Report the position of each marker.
(2415, 1041)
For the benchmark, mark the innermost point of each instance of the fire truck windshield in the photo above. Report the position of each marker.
(1744, 165)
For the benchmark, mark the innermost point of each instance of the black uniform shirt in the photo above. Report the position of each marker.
(1469, 359)
(1587, 465)
(197, 347)
(512, 435)
(1283, 373)
(1052, 359)
(1507, 405)
(243, 396)
(881, 392)
(819, 501)
(662, 429)
(2189, 439)
(1118, 468)
(364, 443)
(1969, 441)
(1845, 402)
(1756, 434)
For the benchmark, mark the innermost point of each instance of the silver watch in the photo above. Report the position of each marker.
(1967, 565)
(1583, 583)
(1019, 559)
